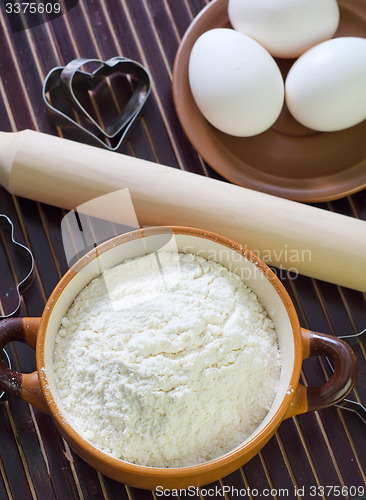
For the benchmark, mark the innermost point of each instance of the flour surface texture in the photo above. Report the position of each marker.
(166, 369)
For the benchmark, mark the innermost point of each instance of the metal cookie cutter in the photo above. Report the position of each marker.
(98, 107)
(24, 259)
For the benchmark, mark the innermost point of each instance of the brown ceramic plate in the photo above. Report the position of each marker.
(288, 160)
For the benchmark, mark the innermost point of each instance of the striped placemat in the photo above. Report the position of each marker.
(311, 456)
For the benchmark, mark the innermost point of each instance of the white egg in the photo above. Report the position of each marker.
(326, 87)
(235, 82)
(286, 28)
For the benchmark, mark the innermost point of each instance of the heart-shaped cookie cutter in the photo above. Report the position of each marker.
(66, 95)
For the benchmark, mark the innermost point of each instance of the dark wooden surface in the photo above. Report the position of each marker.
(320, 449)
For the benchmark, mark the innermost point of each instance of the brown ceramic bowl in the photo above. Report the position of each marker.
(288, 159)
(295, 343)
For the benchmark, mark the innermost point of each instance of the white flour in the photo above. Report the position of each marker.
(177, 376)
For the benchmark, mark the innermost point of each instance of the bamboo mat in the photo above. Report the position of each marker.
(318, 451)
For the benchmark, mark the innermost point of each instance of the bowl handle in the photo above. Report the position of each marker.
(340, 383)
(23, 385)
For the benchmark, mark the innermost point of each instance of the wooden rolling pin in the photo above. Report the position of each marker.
(297, 237)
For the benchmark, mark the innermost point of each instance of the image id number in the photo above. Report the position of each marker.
(337, 491)
(32, 8)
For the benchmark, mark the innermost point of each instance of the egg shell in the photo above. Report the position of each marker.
(235, 82)
(286, 28)
(325, 88)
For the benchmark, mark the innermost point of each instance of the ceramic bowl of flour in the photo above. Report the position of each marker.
(169, 357)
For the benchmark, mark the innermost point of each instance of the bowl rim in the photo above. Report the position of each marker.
(256, 441)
